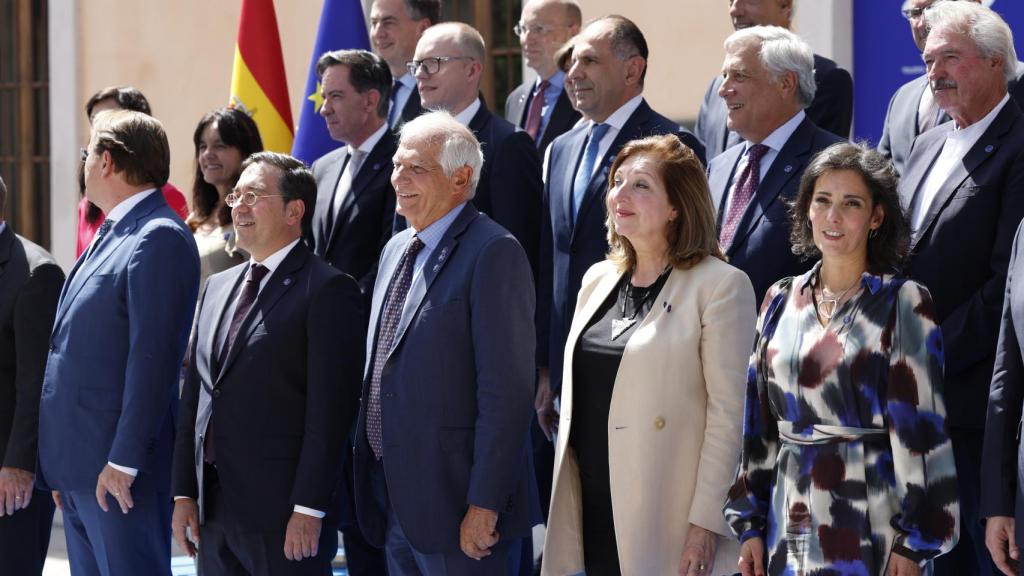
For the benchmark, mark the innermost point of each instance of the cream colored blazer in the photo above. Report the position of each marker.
(674, 424)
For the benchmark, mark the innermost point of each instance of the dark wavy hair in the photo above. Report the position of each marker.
(237, 130)
(887, 248)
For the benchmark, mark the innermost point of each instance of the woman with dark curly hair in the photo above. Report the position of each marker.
(223, 139)
(846, 466)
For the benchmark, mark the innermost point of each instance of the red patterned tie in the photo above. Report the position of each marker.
(536, 105)
(746, 187)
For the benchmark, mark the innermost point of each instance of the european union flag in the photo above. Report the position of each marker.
(342, 26)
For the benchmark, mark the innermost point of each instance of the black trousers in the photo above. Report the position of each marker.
(25, 536)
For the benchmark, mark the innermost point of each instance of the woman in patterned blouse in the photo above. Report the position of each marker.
(846, 466)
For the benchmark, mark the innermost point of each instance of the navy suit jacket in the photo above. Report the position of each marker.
(761, 246)
(352, 241)
(30, 283)
(901, 122)
(831, 110)
(283, 400)
(413, 107)
(562, 119)
(111, 387)
(1002, 464)
(456, 391)
(569, 248)
(962, 252)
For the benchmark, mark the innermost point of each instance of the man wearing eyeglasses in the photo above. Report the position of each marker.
(541, 106)
(448, 66)
(271, 391)
(831, 110)
(395, 27)
(912, 109)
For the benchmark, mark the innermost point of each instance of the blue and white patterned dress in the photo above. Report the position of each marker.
(846, 456)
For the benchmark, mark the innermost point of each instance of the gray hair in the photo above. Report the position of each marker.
(459, 147)
(983, 26)
(781, 51)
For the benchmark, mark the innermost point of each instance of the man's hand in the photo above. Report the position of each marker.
(117, 484)
(752, 557)
(477, 533)
(1000, 543)
(186, 515)
(15, 489)
(902, 566)
(544, 403)
(302, 537)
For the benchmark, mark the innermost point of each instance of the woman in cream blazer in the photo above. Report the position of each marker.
(675, 414)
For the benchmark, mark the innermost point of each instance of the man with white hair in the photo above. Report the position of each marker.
(831, 108)
(962, 188)
(443, 477)
(912, 109)
(768, 81)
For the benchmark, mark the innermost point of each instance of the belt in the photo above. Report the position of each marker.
(825, 434)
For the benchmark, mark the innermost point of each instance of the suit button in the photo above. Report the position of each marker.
(216, 394)
(659, 423)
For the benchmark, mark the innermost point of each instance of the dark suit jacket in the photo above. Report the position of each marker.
(111, 385)
(413, 107)
(901, 122)
(562, 119)
(510, 181)
(352, 242)
(568, 248)
(1002, 464)
(761, 245)
(962, 252)
(456, 390)
(283, 401)
(30, 283)
(832, 109)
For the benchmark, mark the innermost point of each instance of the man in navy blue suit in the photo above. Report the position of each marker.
(444, 481)
(106, 417)
(752, 182)
(962, 189)
(609, 63)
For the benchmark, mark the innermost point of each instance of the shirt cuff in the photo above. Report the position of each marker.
(132, 471)
(309, 511)
(176, 498)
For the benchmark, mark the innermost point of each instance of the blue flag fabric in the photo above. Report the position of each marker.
(342, 26)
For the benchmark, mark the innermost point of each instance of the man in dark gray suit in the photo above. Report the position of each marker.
(912, 109)
(962, 188)
(831, 109)
(30, 283)
(753, 182)
(444, 481)
(541, 106)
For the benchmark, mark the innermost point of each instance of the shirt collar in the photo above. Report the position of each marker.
(618, 118)
(126, 205)
(407, 80)
(432, 234)
(557, 80)
(466, 116)
(871, 282)
(369, 143)
(274, 260)
(777, 139)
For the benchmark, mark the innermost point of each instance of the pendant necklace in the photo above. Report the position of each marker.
(629, 292)
(828, 302)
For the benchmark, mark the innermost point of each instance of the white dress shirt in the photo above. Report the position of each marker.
(775, 141)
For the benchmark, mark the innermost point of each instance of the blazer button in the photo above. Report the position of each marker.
(659, 423)
(216, 394)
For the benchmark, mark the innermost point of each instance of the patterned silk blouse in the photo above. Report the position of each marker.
(846, 456)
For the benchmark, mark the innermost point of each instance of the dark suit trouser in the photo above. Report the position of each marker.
(25, 536)
(404, 560)
(227, 551)
(361, 557)
(112, 543)
(969, 556)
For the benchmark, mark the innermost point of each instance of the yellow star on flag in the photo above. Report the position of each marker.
(316, 99)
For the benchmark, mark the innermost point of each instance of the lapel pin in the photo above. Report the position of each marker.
(287, 281)
(444, 253)
(437, 267)
(376, 166)
(989, 148)
(788, 168)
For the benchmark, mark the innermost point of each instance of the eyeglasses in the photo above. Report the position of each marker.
(913, 13)
(431, 65)
(248, 198)
(521, 29)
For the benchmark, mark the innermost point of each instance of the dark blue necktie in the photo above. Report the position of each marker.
(586, 168)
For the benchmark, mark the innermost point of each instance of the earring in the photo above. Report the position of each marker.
(873, 233)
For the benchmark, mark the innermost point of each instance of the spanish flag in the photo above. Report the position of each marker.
(258, 83)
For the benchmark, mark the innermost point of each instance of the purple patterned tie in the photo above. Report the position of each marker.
(534, 114)
(394, 302)
(746, 187)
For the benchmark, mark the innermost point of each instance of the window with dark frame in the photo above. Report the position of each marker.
(503, 71)
(25, 117)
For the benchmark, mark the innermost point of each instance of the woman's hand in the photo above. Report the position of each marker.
(752, 557)
(698, 552)
(902, 566)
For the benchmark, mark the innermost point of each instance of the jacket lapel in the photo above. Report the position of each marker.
(375, 161)
(389, 261)
(325, 201)
(721, 177)
(219, 303)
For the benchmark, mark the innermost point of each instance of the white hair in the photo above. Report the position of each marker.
(984, 27)
(781, 51)
(459, 147)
